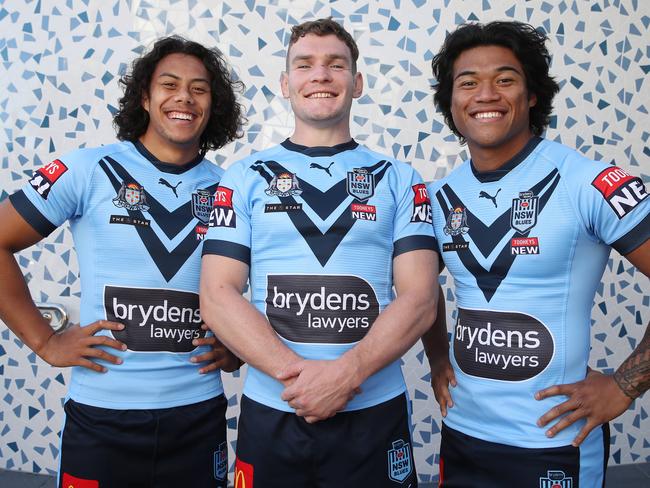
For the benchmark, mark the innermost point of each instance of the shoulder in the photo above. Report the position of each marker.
(570, 163)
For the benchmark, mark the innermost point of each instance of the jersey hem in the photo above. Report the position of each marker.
(143, 405)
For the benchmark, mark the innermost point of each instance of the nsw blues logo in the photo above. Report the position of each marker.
(202, 202)
(456, 222)
(221, 462)
(556, 479)
(400, 461)
(523, 215)
(284, 185)
(132, 197)
(360, 184)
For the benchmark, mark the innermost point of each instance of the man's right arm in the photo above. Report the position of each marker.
(235, 321)
(71, 347)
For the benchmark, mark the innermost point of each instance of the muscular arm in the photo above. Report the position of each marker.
(237, 323)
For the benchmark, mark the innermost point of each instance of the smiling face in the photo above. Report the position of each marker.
(178, 103)
(490, 104)
(319, 82)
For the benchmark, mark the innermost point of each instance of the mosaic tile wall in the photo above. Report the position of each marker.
(59, 64)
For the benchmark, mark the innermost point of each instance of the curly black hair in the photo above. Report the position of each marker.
(226, 113)
(529, 47)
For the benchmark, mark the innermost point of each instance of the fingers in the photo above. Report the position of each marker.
(584, 432)
(210, 367)
(556, 412)
(97, 353)
(86, 363)
(290, 371)
(564, 423)
(555, 390)
(107, 342)
(98, 325)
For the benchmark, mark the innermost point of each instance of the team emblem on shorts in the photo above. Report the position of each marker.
(556, 479)
(284, 185)
(456, 222)
(400, 464)
(221, 462)
(360, 184)
(132, 197)
(523, 215)
(202, 201)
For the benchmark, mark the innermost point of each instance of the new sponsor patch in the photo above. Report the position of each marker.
(360, 184)
(202, 202)
(622, 191)
(505, 346)
(282, 207)
(400, 461)
(456, 223)
(284, 185)
(521, 246)
(127, 220)
(555, 479)
(221, 462)
(421, 204)
(155, 319)
(325, 309)
(361, 211)
(243, 474)
(201, 231)
(46, 176)
(223, 213)
(523, 214)
(131, 196)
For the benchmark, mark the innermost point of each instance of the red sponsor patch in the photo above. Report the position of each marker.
(421, 194)
(70, 481)
(223, 197)
(611, 179)
(360, 207)
(243, 474)
(53, 171)
(525, 241)
(201, 229)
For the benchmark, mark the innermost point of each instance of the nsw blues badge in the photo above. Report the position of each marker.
(360, 184)
(221, 462)
(400, 461)
(523, 214)
(202, 202)
(556, 479)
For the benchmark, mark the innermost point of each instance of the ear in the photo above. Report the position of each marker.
(284, 84)
(532, 100)
(358, 85)
(145, 101)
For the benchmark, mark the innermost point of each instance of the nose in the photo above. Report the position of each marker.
(184, 95)
(321, 73)
(486, 92)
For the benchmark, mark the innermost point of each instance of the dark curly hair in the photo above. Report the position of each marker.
(226, 113)
(528, 46)
(325, 27)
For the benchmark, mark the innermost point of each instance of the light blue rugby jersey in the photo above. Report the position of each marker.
(526, 246)
(319, 228)
(138, 226)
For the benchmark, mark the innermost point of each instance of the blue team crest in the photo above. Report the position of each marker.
(284, 185)
(221, 461)
(360, 184)
(456, 222)
(202, 201)
(132, 197)
(556, 479)
(523, 214)
(400, 461)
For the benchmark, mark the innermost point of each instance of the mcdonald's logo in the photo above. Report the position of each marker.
(243, 474)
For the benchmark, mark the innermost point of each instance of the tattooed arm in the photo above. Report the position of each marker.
(600, 398)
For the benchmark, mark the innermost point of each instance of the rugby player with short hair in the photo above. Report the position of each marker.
(323, 228)
(145, 405)
(525, 228)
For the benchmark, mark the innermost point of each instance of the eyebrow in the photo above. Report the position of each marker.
(330, 57)
(176, 77)
(500, 69)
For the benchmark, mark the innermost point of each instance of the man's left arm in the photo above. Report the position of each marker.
(324, 387)
(600, 398)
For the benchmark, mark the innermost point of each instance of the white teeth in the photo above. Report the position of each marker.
(320, 95)
(180, 115)
(488, 115)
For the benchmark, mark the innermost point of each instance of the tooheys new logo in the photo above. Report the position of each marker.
(155, 319)
(503, 346)
(322, 309)
(223, 214)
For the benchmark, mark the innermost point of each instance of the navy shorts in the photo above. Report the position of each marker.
(161, 448)
(361, 448)
(468, 462)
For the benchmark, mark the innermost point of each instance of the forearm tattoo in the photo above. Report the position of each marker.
(633, 377)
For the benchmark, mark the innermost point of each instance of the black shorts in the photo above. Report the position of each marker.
(162, 448)
(362, 448)
(468, 462)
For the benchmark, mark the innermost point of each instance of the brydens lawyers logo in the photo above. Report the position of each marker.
(556, 479)
(223, 214)
(620, 190)
(46, 176)
(243, 474)
(400, 462)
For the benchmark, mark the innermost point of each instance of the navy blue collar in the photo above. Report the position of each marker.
(175, 169)
(317, 151)
(497, 174)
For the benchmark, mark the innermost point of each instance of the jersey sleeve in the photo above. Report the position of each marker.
(412, 224)
(55, 193)
(614, 206)
(229, 228)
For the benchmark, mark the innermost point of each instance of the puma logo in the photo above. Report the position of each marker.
(493, 198)
(318, 166)
(164, 182)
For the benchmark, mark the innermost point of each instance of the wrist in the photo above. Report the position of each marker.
(626, 386)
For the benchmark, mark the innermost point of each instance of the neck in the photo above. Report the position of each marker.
(487, 159)
(311, 136)
(178, 154)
